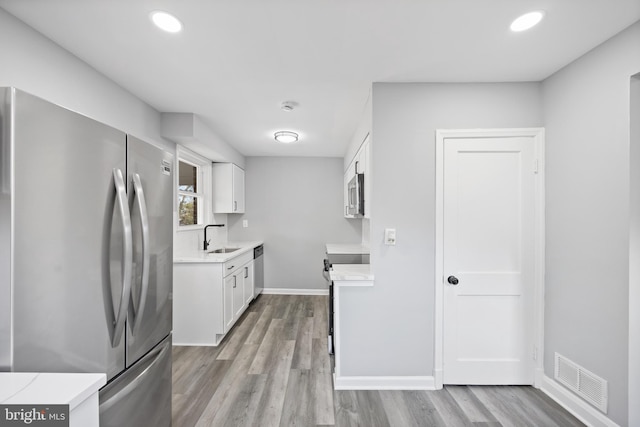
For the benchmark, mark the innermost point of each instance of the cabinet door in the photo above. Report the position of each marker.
(222, 187)
(228, 188)
(238, 293)
(360, 161)
(238, 190)
(345, 205)
(229, 317)
(351, 172)
(248, 282)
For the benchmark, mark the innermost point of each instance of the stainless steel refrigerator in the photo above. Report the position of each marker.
(86, 256)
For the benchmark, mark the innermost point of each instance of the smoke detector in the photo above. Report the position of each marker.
(288, 106)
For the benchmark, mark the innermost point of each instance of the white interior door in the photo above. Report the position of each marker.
(489, 260)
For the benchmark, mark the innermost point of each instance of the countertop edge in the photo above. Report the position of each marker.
(53, 388)
(352, 282)
(346, 249)
(206, 258)
(352, 275)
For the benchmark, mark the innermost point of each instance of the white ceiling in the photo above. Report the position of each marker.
(237, 60)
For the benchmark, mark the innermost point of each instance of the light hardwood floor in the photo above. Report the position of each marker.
(273, 370)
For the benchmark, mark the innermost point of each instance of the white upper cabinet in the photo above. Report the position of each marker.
(238, 190)
(360, 160)
(228, 188)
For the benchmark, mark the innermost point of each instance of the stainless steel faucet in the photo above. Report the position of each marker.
(205, 244)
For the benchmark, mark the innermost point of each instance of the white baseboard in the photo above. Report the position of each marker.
(539, 378)
(197, 344)
(438, 380)
(383, 383)
(576, 406)
(285, 291)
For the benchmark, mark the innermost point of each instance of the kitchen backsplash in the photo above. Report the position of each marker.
(189, 241)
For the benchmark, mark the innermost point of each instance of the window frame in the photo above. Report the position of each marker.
(203, 185)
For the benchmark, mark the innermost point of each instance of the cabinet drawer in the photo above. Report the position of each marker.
(234, 264)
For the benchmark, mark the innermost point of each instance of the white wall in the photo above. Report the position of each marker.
(189, 131)
(35, 64)
(586, 115)
(361, 132)
(634, 255)
(189, 242)
(393, 323)
(294, 204)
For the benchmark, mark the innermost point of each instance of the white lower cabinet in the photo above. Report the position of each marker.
(229, 318)
(238, 295)
(234, 302)
(208, 298)
(248, 281)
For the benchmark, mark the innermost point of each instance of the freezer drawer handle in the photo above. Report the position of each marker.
(150, 360)
(136, 313)
(127, 260)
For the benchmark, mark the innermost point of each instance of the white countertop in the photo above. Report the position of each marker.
(48, 388)
(351, 272)
(346, 248)
(205, 256)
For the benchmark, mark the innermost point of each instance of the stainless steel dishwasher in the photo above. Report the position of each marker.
(258, 265)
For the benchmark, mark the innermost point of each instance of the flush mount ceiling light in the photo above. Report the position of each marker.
(285, 136)
(527, 21)
(166, 21)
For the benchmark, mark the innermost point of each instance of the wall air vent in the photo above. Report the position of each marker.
(585, 384)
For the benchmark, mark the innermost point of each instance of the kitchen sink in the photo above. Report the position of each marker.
(223, 250)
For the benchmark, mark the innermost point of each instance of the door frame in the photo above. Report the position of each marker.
(537, 135)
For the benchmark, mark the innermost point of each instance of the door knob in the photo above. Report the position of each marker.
(453, 280)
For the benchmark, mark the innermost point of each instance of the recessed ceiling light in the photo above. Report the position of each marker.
(166, 21)
(286, 137)
(527, 21)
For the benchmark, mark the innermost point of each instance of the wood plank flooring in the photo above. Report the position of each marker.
(273, 370)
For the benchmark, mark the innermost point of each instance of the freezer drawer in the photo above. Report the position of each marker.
(141, 396)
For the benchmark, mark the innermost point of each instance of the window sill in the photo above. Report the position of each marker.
(189, 228)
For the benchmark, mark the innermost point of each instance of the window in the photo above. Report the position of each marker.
(193, 174)
(189, 210)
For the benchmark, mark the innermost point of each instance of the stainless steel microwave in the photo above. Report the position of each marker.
(355, 191)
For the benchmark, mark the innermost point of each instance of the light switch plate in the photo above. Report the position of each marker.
(245, 223)
(390, 236)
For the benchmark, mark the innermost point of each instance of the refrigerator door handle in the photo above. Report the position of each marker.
(144, 222)
(127, 256)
